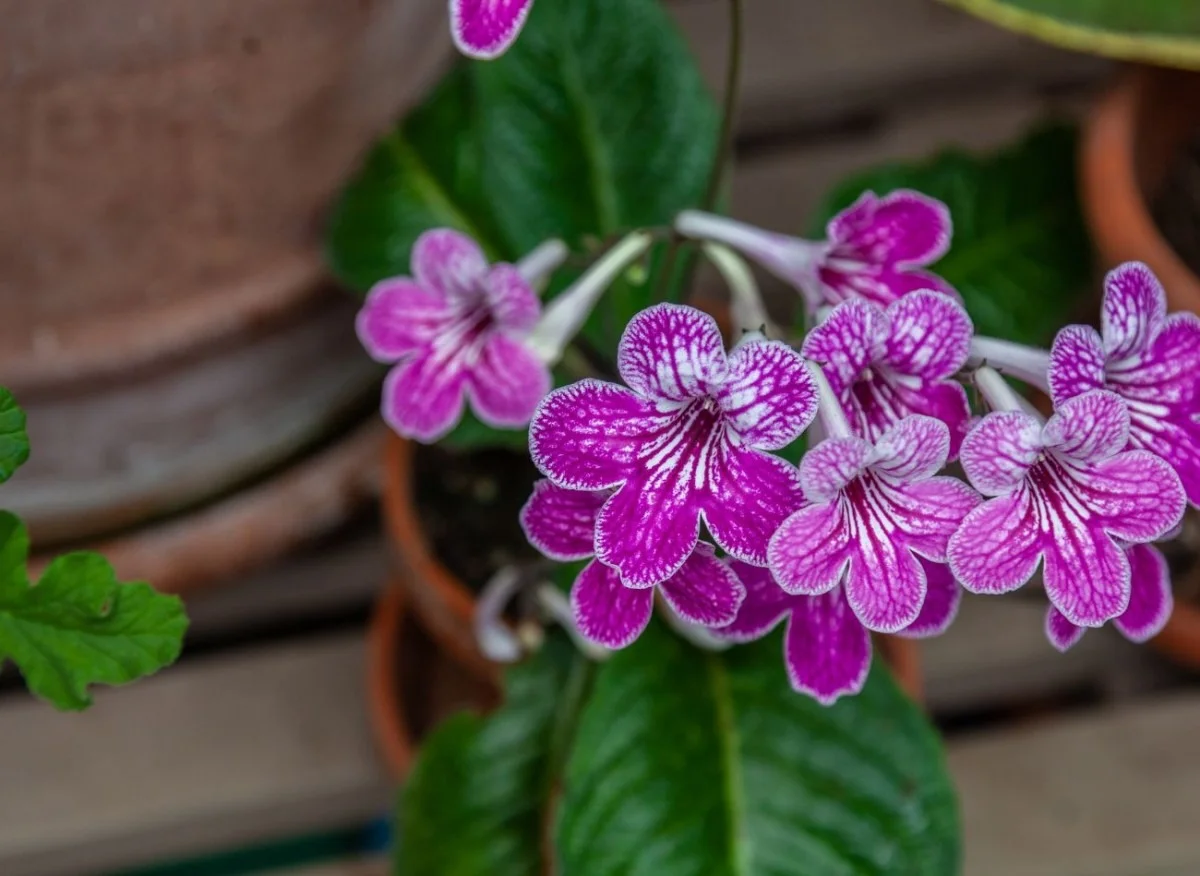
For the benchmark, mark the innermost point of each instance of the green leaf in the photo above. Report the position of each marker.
(78, 625)
(690, 763)
(1162, 32)
(1020, 255)
(14, 443)
(478, 799)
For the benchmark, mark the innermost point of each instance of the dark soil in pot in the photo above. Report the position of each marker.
(1176, 207)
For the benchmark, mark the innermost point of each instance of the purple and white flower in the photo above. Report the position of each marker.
(876, 510)
(1150, 602)
(1064, 493)
(485, 29)
(826, 649)
(877, 248)
(562, 525)
(456, 329)
(886, 363)
(1147, 357)
(686, 442)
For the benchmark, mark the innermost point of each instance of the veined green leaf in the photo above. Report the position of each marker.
(14, 443)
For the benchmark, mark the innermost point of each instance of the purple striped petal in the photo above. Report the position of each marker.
(999, 451)
(705, 590)
(1076, 362)
(996, 549)
(1086, 575)
(1061, 632)
(562, 523)
(831, 465)
(904, 227)
(1150, 599)
(1135, 309)
(945, 401)
(878, 284)
(929, 336)
(399, 317)
(769, 396)
(672, 352)
(750, 495)
(848, 342)
(1089, 427)
(647, 530)
(450, 263)
(606, 611)
(507, 382)
(423, 396)
(928, 512)
(1136, 494)
(809, 553)
(765, 605)
(826, 650)
(915, 448)
(942, 599)
(884, 584)
(514, 305)
(484, 29)
(586, 436)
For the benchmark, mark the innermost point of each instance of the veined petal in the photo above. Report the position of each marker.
(929, 335)
(884, 584)
(423, 396)
(913, 449)
(929, 512)
(514, 304)
(945, 401)
(942, 599)
(485, 29)
(750, 495)
(1085, 574)
(1150, 598)
(507, 382)
(705, 590)
(845, 280)
(1061, 632)
(586, 436)
(1076, 362)
(399, 317)
(1176, 440)
(904, 227)
(1167, 373)
(999, 451)
(769, 397)
(1088, 427)
(606, 611)
(996, 549)
(1135, 308)
(809, 553)
(847, 342)
(672, 352)
(765, 604)
(831, 465)
(562, 523)
(647, 529)
(449, 262)
(826, 650)
(1136, 495)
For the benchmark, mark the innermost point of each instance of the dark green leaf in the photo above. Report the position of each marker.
(14, 443)
(689, 763)
(478, 800)
(78, 625)
(1020, 255)
(1162, 32)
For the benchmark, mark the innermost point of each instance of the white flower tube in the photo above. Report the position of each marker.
(746, 304)
(1029, 364)
(537, 265)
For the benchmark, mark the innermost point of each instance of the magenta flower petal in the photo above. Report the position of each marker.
(1138, 495)
(915, 448)
(902, 228)
(764, 606)
(445, 261)
(847, 343)
(929, 335)
(996, 549)
(1150, 600)
(705, 590)
(423, 398)
(507, 383)
(1092, 425)
(769, 396)
(562, 523)
(606, 611)
(671, 352)
(999, 452)
(485, 29)
(943, 596)
(1134, 311)
(514, 305)
(928, 512)
(1061, 632)
(587, 436)
(809, 553)
(827, 651)
(885, 585)
(399, 317)
(1076, 362)
(829, 467)
(647, 530)
(1086, 576)
(750, 495)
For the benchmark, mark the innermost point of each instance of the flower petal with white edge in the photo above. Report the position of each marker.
(1086, 575)
(647, 530)
(929, 335)
(1151, 600)
(768, 397)
(1062, 634)
(1092, 426)
(827, 652)
(562, 523)
(672, 352)
(884, 584)
(916, 448)
(1000, 450)
(507, 382)
(449, 262)
(1076, 362)
(1136, 495)
(605, 610)
(904, 228)
(809, 553)
(749, 496)
(424, 397)
(764, 606)
(943, 595)
(996, 548)
(705, 590)
(847, 342)
(831, 465)
(484, 29)
(1134, 311)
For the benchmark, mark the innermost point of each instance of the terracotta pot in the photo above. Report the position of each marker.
(1131, 139)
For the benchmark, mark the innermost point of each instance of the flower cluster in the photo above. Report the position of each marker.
(670, 481)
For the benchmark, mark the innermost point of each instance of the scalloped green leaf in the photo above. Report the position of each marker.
(79, 625)
(1163, 32)
(14, 443)
(690, 763)
(1020, 256)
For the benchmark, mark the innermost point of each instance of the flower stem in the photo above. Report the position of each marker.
(537, 265)
(746, 304)
(1016, 360)
(996, 391)
(558, 607)
(833, 418)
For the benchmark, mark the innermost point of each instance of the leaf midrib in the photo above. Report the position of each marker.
(739, 859)
(435, 195)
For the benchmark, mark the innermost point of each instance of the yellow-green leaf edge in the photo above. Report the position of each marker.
(1164, 51)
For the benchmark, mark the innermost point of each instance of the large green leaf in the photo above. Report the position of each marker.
(698, 764)
(477, 802)
(14, 443)
(78, 625)
(1020, 255)
(1163, 32)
